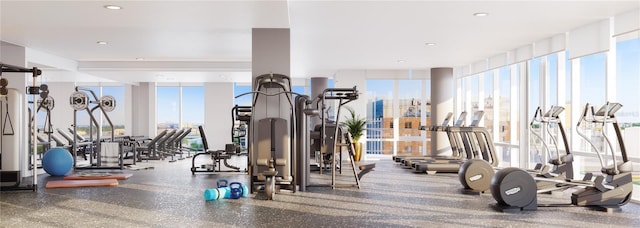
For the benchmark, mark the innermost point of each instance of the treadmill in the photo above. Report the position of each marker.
(466, 141)
(457, 152)
(445, 123)
(441, 127)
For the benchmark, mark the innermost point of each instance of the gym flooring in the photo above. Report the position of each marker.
(169, 196)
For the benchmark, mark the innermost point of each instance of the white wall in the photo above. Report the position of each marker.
(62, 113)
(140, 112)
(217, 108)
(632, 145)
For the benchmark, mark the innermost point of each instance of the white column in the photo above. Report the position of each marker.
(513, 114)
(441, 103)
(270, 51)
(318, 85)
(562, 82)
(152, 123)
(62, 113)
(611, 62)
(496, 105)
(396, 117)
(577, 105)
(128, 109)
(523, 115)
(217, 108)
(423, 114)
(270, 55)
(545, 91)
(481, 96)
(140, 110)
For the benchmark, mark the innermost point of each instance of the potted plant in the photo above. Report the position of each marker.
(356, 126)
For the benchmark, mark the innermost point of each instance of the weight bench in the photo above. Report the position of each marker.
(219, 157)
(81, 146)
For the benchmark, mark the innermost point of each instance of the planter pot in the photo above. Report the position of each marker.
(358, 151)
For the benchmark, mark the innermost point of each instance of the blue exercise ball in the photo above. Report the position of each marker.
(57, 161)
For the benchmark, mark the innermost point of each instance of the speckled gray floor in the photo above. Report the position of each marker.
(169, 196)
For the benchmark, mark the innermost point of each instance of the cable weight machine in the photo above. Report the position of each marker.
(10, 152)
(104, 156)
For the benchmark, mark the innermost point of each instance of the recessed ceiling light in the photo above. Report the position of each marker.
(112, 7)
(430, 44)
(481, 14)
(401, 61)
(139, 58)
(102, 42)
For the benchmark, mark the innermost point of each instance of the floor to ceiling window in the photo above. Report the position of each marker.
(192, 108)
(380, 117)
(168, 107)
(398, 131)
(181, 107)
(473, 97)
(504, 100)
(504, 116)
(627, 93)
(537, 151)
(592, 91)
(241, 89)
(488, 101)
(411, 141)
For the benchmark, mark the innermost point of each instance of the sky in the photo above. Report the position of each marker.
(192, 104)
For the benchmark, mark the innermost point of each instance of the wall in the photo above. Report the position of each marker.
(141, 112)
(62, 114)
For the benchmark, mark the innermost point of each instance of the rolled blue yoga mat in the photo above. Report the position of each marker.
(222, 193)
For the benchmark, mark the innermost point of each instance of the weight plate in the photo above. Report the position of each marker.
(47, 103)
(79, 100)
(4, 82)
(44, 88)
(44, 94)
(4, 91)
(108, 103)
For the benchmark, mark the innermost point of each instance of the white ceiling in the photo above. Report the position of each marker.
(191, 41)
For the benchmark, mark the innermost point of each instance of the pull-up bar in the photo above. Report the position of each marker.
(17, 69)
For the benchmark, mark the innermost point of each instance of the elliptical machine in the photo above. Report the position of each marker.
(513, 188)
(475, 174)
